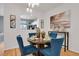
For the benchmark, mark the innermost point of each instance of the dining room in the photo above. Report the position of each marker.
(42, 29)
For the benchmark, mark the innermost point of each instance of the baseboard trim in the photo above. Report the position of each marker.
(73, 52)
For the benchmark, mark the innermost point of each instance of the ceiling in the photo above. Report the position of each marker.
(43, 7)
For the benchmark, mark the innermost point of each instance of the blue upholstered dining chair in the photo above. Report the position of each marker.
(53, 34)
(55, 49)
(31, 34)
(25, 50)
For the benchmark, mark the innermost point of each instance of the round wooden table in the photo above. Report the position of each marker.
(39, 44)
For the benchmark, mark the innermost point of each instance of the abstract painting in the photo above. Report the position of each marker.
(61, 21)
(12, 21)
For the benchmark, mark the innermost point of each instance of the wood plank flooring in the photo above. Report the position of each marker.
(16, 52)
(1, 48)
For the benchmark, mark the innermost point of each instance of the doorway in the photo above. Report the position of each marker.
(1, 35)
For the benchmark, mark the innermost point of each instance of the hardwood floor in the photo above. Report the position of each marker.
(16, 52)
(1, 48)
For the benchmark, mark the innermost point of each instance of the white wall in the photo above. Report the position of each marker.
(10, 34)
(1, 9)
(74, 30)
(1, 24)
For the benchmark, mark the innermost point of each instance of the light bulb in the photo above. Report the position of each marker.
(33, 5)
(31, 10)
(27, 9)
(29, 4)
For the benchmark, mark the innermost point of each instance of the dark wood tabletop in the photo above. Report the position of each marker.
(37, 41)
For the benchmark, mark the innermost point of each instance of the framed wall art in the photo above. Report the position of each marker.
(12, 21)
(42, 23)
(60, 21)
